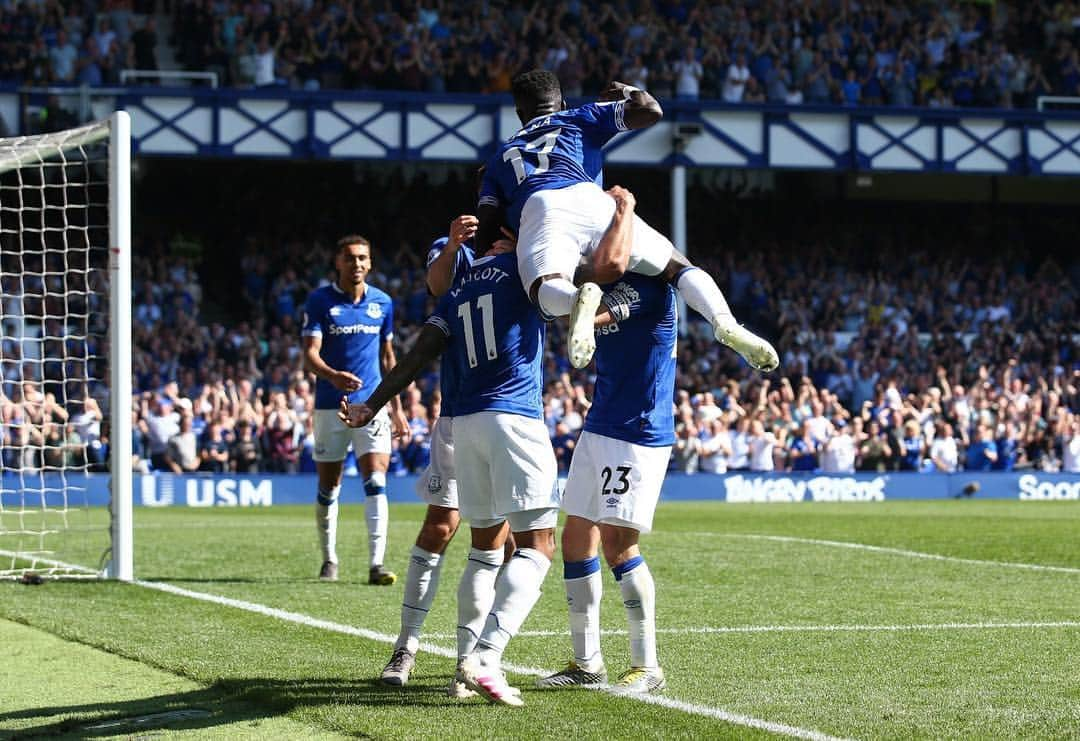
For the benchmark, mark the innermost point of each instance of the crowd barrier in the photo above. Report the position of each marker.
(264, 490)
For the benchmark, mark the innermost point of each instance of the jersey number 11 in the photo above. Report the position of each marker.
(487, 319)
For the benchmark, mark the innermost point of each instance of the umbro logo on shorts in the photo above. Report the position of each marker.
(612, 501)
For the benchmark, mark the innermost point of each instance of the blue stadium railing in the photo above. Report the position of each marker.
(282, 123)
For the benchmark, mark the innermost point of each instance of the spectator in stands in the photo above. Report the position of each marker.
(982, 453)
(182, 454)
(245, 452)
(944, 454)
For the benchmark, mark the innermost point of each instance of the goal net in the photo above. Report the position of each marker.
(65, 363)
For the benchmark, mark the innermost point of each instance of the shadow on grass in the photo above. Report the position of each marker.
(224, 702)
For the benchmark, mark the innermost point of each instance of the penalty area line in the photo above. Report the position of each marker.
(313, 622)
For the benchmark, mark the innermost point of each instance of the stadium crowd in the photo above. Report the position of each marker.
(941, 53)
(897, 359)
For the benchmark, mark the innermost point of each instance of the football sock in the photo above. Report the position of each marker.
(421, 583)
(639, 598)
(556, 297)
(583, 590)
(376, 512)
(326, 512)
(516, 591)
(701, 293)
(476, 593)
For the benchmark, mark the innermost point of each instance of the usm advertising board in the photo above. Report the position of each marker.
(266, 490)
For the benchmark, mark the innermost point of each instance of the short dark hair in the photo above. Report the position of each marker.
(352, 239)
(535, 86)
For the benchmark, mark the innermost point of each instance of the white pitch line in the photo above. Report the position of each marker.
(803, 629)
(899, 552)
(307, 620)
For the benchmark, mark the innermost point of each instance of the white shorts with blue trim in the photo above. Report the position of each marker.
(504, 465)
(332, 436)
(615, 482)
(437, 485)
(561, 227)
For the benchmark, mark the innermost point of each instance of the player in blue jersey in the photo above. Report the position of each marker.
(543, 183)
(505, 466)
(348, 344)
(616, 474)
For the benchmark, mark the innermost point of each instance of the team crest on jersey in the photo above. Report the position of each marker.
(434, 484)
(374, 311)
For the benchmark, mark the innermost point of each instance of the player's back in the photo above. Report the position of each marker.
(635, 365)
(496, 339)
(551, 152)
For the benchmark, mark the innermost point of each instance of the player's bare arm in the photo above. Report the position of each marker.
(640, 111)
(612, 255)
(429, 345)
(398, 422)
(440, 273)
(313, 363)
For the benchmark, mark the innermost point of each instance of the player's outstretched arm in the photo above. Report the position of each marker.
(429, 345)
(612, 255)
(640, 111)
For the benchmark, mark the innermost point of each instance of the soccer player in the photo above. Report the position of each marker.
(505, 466)
(448, 257)
(616, 474)
(348, 343)
(543, 182)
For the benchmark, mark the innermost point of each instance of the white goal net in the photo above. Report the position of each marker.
(64, 311)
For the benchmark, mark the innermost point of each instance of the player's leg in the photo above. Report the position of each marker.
(438, 487)
(523, 477)
(629, 502)
(653, 254)
(371, 444)
(638, 590)
(556, 227)
(581, 568)
(331, 445)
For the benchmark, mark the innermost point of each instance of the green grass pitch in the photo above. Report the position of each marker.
(769, 625)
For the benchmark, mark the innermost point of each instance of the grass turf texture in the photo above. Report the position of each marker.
(988, 682)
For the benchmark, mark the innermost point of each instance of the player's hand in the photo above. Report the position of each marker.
(462, 229)
(614, 92)
(355, 415)
(624, 199)
(399, 424)
(345, 381)
(502, 246)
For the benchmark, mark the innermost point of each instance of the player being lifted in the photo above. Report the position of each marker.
(448, 258)
(505, 466)
(617, 471)
(543, 184)
(348, 343)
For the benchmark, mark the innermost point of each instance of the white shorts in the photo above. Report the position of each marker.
(615, 482)
(504, 465)
(437, 485)
(559, 227)
(332, 436)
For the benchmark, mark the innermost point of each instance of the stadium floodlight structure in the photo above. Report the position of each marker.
(65, 351)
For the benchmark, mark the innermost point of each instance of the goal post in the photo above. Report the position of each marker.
(65, 352)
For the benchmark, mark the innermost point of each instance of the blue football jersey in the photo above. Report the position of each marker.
(635, 366)
(550, 153)
(352, 335)
(448, 378)
(496, 339)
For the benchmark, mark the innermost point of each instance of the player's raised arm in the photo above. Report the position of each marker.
(429, 345)
(440, 271)
(640, 110)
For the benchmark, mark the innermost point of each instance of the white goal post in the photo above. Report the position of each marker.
(65, 352)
